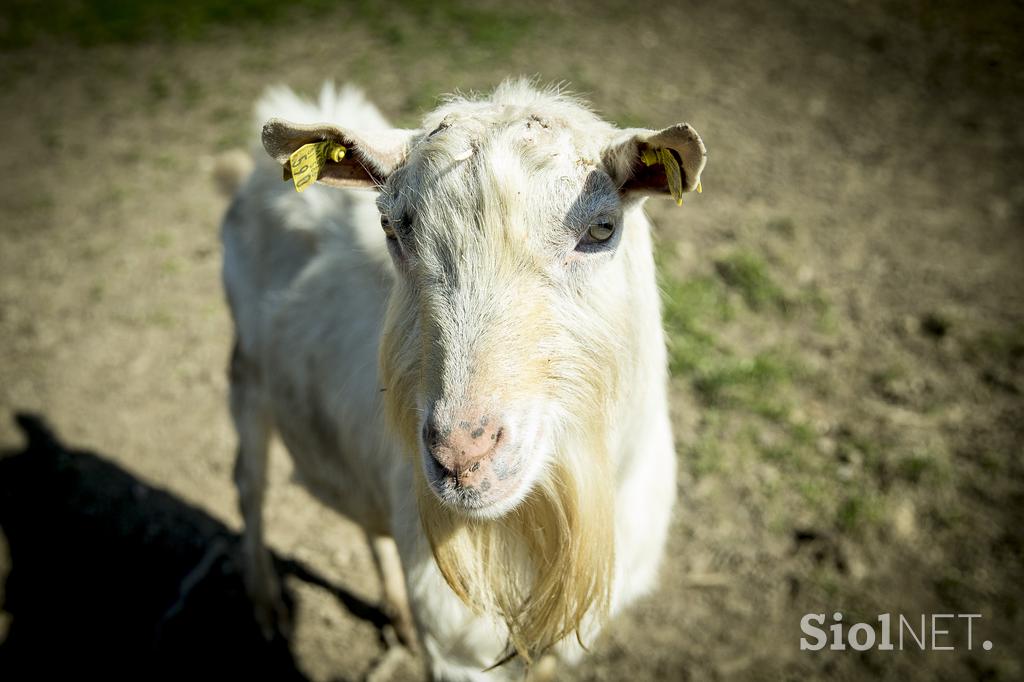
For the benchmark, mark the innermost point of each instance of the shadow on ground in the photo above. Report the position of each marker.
(110, 575)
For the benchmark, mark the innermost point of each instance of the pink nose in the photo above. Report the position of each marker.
(461, 449)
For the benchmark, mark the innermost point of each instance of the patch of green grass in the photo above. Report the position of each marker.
(691, 302)
(793, 448)
(100, 22)
(781, 453)
(420, 23)
(748, 275)
(693, 310)
(850, 513)
(859, 510)
(814, 299)
(813, 492)
(990, 461)
(801, 432)
(690, 307)
(923, 467)
(126, 21)
(741, 382)
(749, 403)
(706, 455)
(915, 467)
(493, 29)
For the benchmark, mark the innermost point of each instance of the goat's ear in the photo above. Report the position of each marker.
(351, 159)
(667, 161)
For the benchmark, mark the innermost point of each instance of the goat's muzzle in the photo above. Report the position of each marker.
(469, 460)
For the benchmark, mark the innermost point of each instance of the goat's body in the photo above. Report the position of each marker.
(307, 277)
(308, 303)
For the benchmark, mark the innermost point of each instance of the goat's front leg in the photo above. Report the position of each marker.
(254, 426)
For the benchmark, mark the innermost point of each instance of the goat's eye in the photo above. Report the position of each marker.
(601, 232)
(385, 225)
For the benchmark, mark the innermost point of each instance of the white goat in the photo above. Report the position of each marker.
(472, 368)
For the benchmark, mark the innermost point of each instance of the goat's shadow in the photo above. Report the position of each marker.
(110, 575)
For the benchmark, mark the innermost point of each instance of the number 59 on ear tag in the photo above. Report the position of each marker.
(308, 161)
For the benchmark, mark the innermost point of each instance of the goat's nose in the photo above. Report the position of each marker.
(461, 446)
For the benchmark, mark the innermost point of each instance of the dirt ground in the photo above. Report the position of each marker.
(845, 305)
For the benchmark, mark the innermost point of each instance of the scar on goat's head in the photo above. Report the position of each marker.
(445, 124)
(534, 118)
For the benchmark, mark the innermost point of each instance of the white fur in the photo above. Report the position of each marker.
(308, 276)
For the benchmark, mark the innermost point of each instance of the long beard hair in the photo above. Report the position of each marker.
(542, 568)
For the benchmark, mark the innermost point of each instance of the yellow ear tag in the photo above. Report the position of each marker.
(673, 173)
(308, 161)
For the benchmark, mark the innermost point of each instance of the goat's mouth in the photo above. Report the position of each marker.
(488, 491)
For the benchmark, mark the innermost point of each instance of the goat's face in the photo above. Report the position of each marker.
(509, 305)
